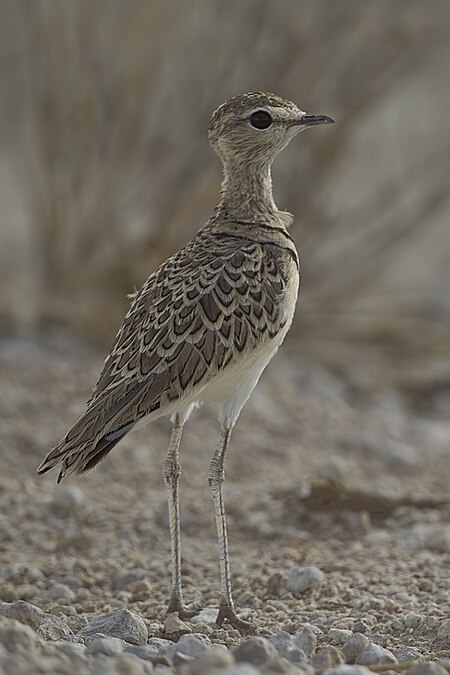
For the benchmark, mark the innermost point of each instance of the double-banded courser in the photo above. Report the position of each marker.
(206, 323)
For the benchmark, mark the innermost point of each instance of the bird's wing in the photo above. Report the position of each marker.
(200, 310)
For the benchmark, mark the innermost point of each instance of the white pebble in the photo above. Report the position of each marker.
(339, 636)
(374, 654)
(61, 591)
(109, 646)
(67, 498)
(302, 579)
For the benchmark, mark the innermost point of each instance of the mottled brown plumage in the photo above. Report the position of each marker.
(206, 323)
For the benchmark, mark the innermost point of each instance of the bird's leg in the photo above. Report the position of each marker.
(172, 473)
(216, 476)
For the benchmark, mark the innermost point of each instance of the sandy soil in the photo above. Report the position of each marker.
(321, 472)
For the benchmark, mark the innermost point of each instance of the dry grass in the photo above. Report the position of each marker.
(107, 106)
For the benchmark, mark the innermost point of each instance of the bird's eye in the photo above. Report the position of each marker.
(260, 119)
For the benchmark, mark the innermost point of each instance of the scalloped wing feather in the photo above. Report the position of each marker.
(209, 304)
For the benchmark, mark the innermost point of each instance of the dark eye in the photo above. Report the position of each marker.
(260, 119)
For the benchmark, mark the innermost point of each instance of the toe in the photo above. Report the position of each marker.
(229, 613)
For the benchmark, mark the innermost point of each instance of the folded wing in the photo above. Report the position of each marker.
(200, 310)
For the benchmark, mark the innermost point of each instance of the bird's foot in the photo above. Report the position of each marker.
(185, 612)
(229, 613)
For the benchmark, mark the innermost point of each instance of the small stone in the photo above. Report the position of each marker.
(407, 654)
(40, 664)
(374, 654)
(414, 620)
(282, 666)
(128, 664)
(306, 640)
(144, 652)
(71, 649)
(26, 591)
(121, 624)
(400, 456)
(9, 594)
(287, 647)
(17, 637)
(70, 580)
(67, 499)
(162, 660)
(61, 591)
(296, 655)
(205, 629)
(191, 645)
(348, 670)
(174, 626)
(84, 594)
(109, 646)
(429, 668)
(24, 612)
(141, 587)
(53, 628)
(339, 635)
(444, 628)
(206, 615)
(127, 577)
(160, 644)
(438, 539)
(354, 646)
(77, 623)
(214, 658)
(327, 657)
(180, 659)
(255, 650)
(440, 644)
(296, 580)
(397, 626)
(32, 573)
(335, 469)
(282, 641)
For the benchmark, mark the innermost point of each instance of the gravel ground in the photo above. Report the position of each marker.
(339, 511)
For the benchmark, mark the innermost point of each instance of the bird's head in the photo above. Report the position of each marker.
(255, 127)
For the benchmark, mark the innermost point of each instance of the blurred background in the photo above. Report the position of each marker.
(105, 167)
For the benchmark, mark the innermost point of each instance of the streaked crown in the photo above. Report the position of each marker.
(257, 126)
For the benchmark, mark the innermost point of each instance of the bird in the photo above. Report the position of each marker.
(205, 324)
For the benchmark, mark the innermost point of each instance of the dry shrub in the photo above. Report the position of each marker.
(116, 172)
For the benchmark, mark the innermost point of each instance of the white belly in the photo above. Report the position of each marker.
(232, 388)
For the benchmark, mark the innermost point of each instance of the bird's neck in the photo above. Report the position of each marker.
(246, 192)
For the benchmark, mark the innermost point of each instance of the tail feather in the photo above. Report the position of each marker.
(102, 448)
(92, 458)
(93, 436)
(80, 458)
(100, 451)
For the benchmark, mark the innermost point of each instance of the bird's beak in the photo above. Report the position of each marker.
(311, 120)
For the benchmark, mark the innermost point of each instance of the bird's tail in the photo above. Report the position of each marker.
(88, 442)
(79, 459)
(104, 423)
